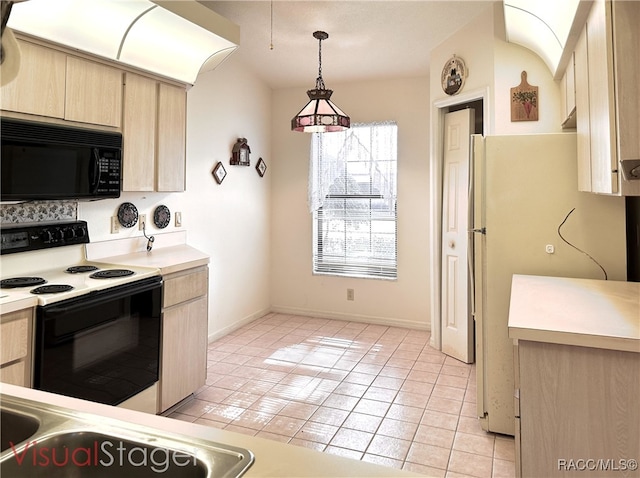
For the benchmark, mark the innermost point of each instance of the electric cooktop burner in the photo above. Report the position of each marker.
(51, 289)
(111, 274)
(14, 282)
(80, 269)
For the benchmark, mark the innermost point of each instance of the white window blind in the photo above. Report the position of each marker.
(352, 195)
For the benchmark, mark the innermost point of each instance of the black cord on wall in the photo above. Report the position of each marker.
(576, 248)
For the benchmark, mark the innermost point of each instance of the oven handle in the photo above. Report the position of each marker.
(111, 293)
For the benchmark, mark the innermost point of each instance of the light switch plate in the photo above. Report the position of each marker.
(115, 225)
(178, 219)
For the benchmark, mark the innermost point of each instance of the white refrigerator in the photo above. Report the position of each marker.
(524, 186)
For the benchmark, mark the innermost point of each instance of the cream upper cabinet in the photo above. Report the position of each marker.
(568, 95)
(93, 93)
(39, 87)
(139, 133)
(607, 99)
(57, 85)
(154, 135)
(582, 113)
(172, 118)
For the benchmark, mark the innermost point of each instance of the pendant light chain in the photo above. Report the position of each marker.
(271, 38)
(320, 81)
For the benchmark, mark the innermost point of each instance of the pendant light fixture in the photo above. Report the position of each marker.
(320, 115)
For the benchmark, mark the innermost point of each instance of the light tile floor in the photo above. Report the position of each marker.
(369, 392)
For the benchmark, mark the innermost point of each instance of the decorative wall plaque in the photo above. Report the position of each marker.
(524, 101)
(453, 75)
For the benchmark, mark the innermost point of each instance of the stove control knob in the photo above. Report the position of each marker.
(79, 231)
(46, 235)
(58, 235)
(68, 233)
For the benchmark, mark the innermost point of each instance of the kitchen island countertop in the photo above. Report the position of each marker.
(272, 459)
(583, 312)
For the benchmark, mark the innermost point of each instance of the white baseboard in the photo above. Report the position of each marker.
(230, 328)
(369, 319)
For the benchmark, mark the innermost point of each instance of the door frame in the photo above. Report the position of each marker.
(438, 110)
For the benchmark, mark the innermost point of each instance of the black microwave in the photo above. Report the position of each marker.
(50, 161)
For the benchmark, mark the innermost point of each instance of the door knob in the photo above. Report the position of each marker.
(452, 244)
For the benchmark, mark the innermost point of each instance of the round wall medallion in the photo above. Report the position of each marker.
(453, 75)
(127, 214)
(161, 216)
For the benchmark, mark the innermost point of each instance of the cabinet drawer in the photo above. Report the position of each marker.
(14, 374)
(14, 331)
(181, 288)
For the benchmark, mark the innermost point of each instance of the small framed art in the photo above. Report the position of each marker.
(261, 167)
(219, 172)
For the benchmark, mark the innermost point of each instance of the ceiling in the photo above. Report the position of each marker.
(367, 39)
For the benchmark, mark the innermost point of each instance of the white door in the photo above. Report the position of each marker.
(457, 322)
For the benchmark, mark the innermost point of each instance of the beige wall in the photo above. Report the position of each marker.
(293, 286)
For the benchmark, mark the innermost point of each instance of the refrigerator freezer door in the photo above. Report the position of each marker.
(529, 187)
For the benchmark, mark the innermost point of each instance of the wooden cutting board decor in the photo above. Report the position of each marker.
(524, 101)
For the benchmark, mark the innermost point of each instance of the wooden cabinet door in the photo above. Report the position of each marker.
(626, 42)
(139, 133)
(172, 109)
(39, 88)
(184, 351)
(93, 93)
(16, 329)
(604, 175)
(582, 113)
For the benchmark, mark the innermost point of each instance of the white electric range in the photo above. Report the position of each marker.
(95, 338)
(48, 261)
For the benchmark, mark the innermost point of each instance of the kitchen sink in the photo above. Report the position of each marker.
(16, 428)
(41, 440)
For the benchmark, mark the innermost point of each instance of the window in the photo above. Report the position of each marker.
(352, 195)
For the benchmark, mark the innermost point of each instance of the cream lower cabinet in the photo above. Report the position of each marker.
(578, 411)
(16, 336)
(183, 365)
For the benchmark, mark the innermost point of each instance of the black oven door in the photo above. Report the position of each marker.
(103, 346)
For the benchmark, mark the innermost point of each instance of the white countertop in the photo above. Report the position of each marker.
(17, 301)
(170, 253)
(272, 459)
(583, 312)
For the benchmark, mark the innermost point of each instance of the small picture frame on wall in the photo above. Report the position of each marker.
(219, 173)
(261, 167)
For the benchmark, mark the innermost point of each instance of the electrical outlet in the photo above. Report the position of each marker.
(549, 249)
(115, 225)
(350, 294)
(142, 222)
(178, 219)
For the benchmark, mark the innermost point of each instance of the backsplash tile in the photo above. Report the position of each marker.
(38, 211)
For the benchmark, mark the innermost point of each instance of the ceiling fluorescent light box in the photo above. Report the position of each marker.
(175, 39)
